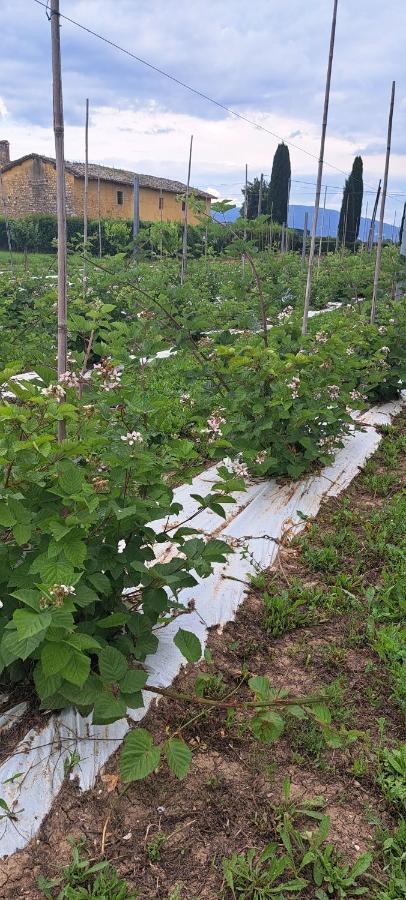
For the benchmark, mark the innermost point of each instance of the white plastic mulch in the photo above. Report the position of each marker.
(259, 518)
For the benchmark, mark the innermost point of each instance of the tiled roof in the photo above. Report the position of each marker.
(119, 176)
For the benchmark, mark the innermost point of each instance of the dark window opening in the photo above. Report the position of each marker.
(161, 203)
(183, 206)
(120, 198)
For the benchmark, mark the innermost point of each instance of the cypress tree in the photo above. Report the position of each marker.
(277, 195)
(350, 214)
(252, 198)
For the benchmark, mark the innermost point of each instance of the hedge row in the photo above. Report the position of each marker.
(38, 233)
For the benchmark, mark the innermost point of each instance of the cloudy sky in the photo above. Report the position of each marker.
(267, 61)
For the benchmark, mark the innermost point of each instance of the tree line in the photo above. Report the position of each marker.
(271, 198)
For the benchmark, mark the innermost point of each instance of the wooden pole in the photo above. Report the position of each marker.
(383, 201)
(371, 234)
(365, 226)
(319, 173)
(322, 227)
(185, 221)
(260, 194)
(245, 215)
(161, 211)
(136, 214)
(7, 224)
(343, 245)
(86, 198)
(306, 218)
(98, 217)
(60, 195)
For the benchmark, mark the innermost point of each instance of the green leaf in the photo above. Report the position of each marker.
(7, 518)
(45, 685)
(188, 644)
(82, 641)
(84, 595)
(114, 620)
(179, 757)
(52, 571)
(100, 582)
(12, 647)
(321, 713)
(260, 686)
(77, 668)
(112, 665)
(139, 757)
(28, 596)
(70, 477)
(54, 657)
(133, 681)
(133, 701)
(108, 709)
(267, 726)
(74, 549)
(22, 533)
(361, 865)
(30, 623)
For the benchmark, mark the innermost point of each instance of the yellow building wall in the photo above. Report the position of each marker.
(149, 203)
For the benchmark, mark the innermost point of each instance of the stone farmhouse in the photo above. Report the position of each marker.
(29, 187)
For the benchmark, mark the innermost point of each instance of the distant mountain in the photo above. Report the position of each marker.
(331, 218)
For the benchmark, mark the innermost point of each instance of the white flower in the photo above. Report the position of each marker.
(132, 437)
(121, 546)
(285, 313)
(321, 337)
(385, 350)
(333, 391)
(382, 329)
(260, 457)
(294, 386)
(240, 469)
(1, 604)
(70, 379)
(186, 398)
(349, 351)
(355, 395)
(55, 391)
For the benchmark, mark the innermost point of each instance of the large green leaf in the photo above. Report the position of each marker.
(77, 667)
(45, 685)
(267, 726)
(12, 647)
(188, 644)
(70, 477)
(112, 665)
(74, 549)
(54, 657)
(179, 757)
(139, 757)
(108, 708)
(133, 681)
(30, 623)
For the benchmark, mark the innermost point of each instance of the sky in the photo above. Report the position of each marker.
(267, 61)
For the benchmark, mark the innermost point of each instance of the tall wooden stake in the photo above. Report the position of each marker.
(260, 195)
(185, 221)
(319, 173)
(245, 215)
(306, 218)
(60, 195)
(98, 218)
(371, 234)
(85, 198)
(136, 214)
(365, 226)
(383, 201)
(322, 227)
(7, 224)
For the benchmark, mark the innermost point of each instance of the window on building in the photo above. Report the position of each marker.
(120, 198)
(183, 205)
(161, 203)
